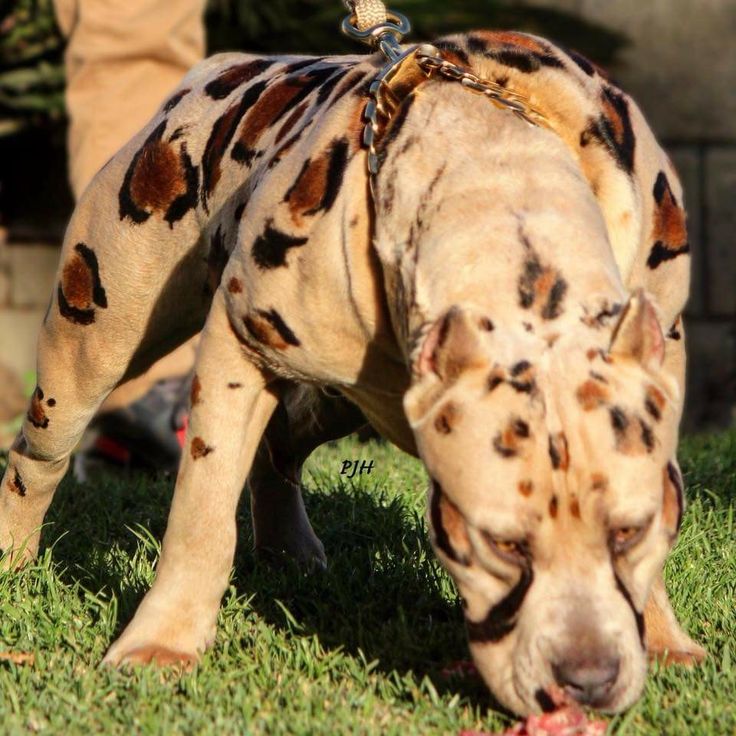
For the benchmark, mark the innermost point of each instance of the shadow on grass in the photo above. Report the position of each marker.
(382, 593)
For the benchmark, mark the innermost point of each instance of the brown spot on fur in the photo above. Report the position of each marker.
(195, 391)
(575, 507)
(446, 418)
(80, 289)
(669, 231)
(541, 288)
(632, 435)
(318, 183)
(599, 482)
(654, 402)
(553, 507)
(592, 395)
(522, 377)
(199, 448)
(76, 283)
(16, 484)
(234, 384)
(507, 443)
(592, 354)
(275, 102)
(526, 487)
(496, 378)
(269, 329)
(158, 178)
(235, 286)
(558, 451)
(36, 414)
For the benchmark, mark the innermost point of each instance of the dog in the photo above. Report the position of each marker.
(504, 302)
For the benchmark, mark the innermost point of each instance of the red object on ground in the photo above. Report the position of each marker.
(181, 433)
(112, 449)
(567, 719)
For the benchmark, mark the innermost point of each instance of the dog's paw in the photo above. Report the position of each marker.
(150, 654)
(305, 549)
(310, 560)
(689, 657)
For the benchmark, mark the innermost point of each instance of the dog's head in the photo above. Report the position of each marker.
(555, 496)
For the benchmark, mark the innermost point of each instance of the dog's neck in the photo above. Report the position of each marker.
(478, 208)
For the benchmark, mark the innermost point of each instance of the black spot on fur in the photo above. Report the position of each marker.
(187, 201)
(660, 253)
(647, 436)
(234, 76)
(276, 321)
(453, 48)
(501, 618)
(126, 205)
(269, 249)
(221, 135)
(175, 99)
(532, 271)
(297, 66)
(519, 58)
(18, 486)
(394, 128)
(638, 616)
(674, 333)
(582, 62)
(99, 297)
(520, 367)
(326, 89)
(676, 480)
(441, 538)
(239, 211)
(619, 421)
(614, 131)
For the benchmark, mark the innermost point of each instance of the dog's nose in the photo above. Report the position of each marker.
(589, 682)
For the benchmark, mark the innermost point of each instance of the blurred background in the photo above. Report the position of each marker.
(677, 57)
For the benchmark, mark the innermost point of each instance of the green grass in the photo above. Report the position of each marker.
(356, 650)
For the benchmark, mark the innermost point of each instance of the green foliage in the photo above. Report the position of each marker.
(310, 26)
(31, 73)
(31, 47)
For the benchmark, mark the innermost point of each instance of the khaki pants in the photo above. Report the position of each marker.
(122, 60)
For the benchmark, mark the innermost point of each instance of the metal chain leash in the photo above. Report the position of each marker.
(407, 68)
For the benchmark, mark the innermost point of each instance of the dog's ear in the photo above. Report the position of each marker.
(452, 346)
(638, 334)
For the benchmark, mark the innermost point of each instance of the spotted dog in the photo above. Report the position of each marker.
(506, 305)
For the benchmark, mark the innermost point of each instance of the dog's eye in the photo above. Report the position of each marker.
(507, 550)
(626, 537)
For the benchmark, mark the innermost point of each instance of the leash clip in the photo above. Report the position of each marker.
(386, 36)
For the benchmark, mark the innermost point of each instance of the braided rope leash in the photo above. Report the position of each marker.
(368, 13)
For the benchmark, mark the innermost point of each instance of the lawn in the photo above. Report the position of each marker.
(358, 649)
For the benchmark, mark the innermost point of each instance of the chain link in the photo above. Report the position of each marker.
(429, 61)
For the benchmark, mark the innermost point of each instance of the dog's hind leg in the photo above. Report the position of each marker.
(305, 419)
(116, 308)
(231, 405)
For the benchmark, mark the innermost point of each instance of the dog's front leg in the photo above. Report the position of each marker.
(231, 405)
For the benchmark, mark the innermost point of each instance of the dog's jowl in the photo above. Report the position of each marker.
(504, 302)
